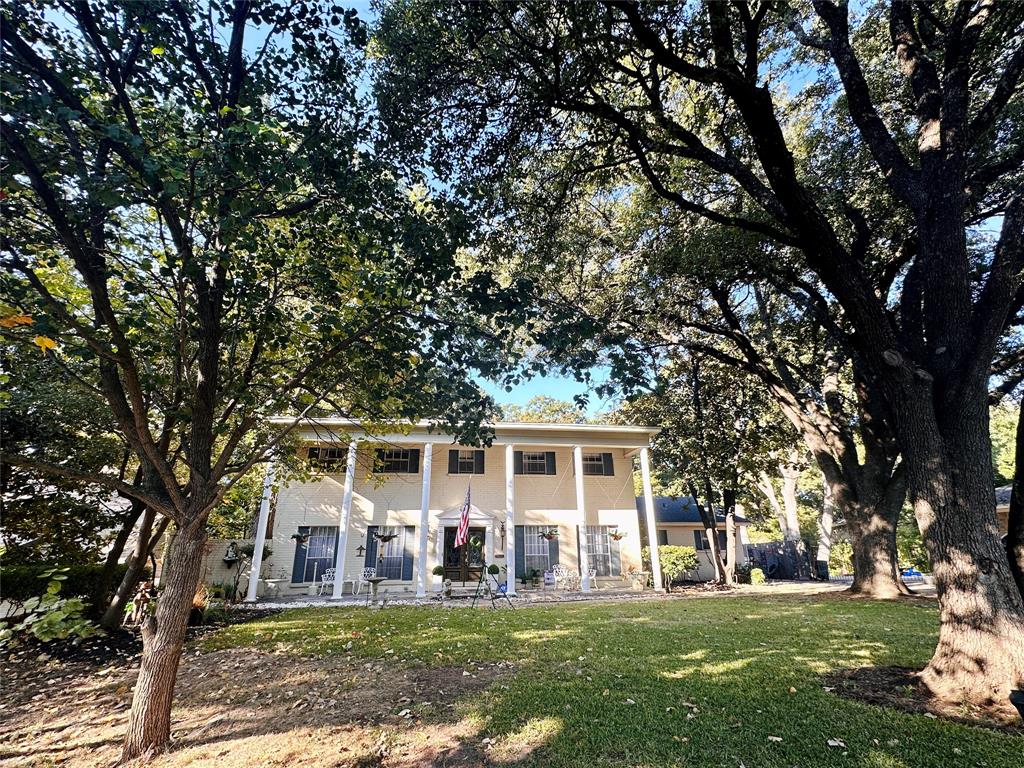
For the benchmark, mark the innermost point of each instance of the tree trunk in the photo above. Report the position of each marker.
(1015, 520)
(980, 653)
(105, 582)
(163, 635)
(730, 545)
(825, 520)
(144, 544)
(875, 561)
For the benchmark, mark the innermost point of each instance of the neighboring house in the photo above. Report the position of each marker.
(678, 523)
(1003, 494)
(576, 479)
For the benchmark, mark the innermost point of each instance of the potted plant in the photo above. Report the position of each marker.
(300, 538)
(384, 536)
(549, 534)
(535, 577)
(438, 570)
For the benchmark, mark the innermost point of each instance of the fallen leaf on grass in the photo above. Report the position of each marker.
(836, 743)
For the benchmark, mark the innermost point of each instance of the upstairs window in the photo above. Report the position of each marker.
(598, 464)
(465, 462)
(396, 461)
(327, 457)
(534, 463)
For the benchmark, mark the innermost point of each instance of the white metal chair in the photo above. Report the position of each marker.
(592, 578)
(364, 578)
(326, 580)
(562, 575)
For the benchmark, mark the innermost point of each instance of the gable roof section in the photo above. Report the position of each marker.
(680, 509)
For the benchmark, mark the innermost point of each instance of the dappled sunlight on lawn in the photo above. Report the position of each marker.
(517, 745)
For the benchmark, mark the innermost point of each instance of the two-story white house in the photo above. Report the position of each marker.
(541, 495)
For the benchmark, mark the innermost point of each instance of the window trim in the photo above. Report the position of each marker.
(380, 458)
(338, 457)
(535, 463)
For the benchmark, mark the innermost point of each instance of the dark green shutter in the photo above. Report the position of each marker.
(549, 462)
(453, 461)
(518, 459)
(615, 557)
(478, 462)
(723, 542)
(698, 540)
(410, 537)
(371, 547)
(414, 461)
(609, 465)
(579, 548)
(520, 548)
(553, 552)
(662, 538)
(299, 563)
(378, 459)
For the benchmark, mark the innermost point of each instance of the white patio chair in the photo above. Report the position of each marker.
(326, 580)
(592, 578)
(561, 575)
(364, 578)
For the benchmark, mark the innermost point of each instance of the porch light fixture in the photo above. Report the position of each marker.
(360, 550)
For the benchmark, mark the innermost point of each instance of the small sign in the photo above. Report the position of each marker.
(549, 578)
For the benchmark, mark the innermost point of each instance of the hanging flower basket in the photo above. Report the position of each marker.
(385, 537)
(301, 538)
(550, 534)
(618, 535)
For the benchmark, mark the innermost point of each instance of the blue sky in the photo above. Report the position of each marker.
(558, 387)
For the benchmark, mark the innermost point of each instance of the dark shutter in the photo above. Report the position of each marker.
(662, 538)
(520, 548)
(313, 454)
(698, 539)
(414, 461)
(299, 563)
(518, 456)
(478, 462)
(549, 462)
(378, 459)
(616, 559)
(371, 547)
(723, 542)
(579, 549)
(553, 552)
(410, 537)
(609, 465)
(453, 461)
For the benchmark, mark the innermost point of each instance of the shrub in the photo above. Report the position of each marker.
(756, 576)
(438, 570)
(50, 616)
(743, 573)
(675, 561)
(20, 582)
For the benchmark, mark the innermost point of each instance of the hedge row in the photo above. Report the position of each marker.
(20, 582)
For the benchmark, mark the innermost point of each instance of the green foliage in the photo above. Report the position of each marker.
(542, 408)
(756, 576)
(840, 558)
(438, 570)
(676, 561)
(20, 582)
(234, 516)
(50, 616)
(909, 543)
(1003, 428)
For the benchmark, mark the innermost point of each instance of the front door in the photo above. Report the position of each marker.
(463, 563)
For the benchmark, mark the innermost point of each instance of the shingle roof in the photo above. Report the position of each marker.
(680, 509)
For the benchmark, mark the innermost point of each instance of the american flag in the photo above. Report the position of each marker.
(462, 535)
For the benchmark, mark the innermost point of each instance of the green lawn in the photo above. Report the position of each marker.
(669, 683)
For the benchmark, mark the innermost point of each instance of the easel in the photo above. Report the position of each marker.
(483, 589)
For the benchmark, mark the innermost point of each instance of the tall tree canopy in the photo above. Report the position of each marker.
(869, 163)
(202, 231)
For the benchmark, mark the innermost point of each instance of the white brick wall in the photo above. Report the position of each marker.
(395, 500)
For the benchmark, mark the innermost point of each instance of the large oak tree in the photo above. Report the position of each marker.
(732, 114)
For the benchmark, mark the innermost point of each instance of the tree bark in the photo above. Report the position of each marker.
(144, 544)
(825, 520)
(163, 635)
(980, 653)
(1015, 519)
(730, 544)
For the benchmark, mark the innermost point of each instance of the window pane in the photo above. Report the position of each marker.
(467, 462)
(593, 464)
(599, 549)
(392, 460)
(389, 553)
(534, 463)
(319, 551)
(535, 549)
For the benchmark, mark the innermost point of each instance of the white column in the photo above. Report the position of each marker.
(577, 460)
(346, 510)
(261, 536)
(510, 520)
(652, 531)
(421, 555)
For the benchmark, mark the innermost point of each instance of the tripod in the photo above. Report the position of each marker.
(483, 589)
